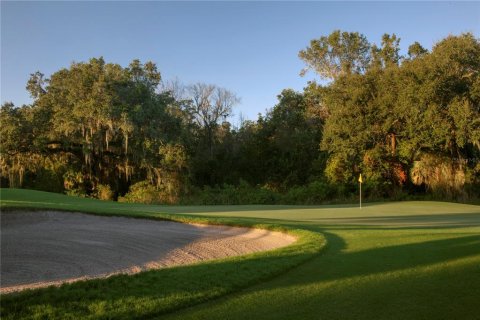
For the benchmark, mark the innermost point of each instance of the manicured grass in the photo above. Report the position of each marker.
(368, 274)
(407, 260)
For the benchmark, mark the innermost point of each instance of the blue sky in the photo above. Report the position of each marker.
(250, 48)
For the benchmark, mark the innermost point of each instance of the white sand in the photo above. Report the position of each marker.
(42, 248)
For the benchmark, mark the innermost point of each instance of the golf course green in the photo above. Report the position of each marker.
(394, 260)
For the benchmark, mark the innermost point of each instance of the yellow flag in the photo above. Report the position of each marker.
(360, 178)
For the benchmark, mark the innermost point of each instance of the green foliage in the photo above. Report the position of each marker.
(45, 180)
(316, 192)
(16, 154)
(108, 120)
(36, 84)
(339, 53)
(99, 124)
(104, 192)
(171, 179)
(382, 122)
(74, 183)
(232, 195)
(416, 50)
(281, 149)
(445, 177)
(313, 193)
(142, 192)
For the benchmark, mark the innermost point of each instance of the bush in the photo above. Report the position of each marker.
(231, 195)
(74, 184)
(103, 192)
(266, 196)
(316, 192)
(377, 189)
(142, 192)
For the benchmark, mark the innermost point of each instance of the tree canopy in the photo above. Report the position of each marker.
(410, 124)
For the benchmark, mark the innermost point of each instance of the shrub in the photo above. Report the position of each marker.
(142, 192)
(103, 192)
(231, 195)
(74, 184)
(315, 192)
(266, 196)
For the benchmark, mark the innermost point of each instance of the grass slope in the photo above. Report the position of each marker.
(388, 261)
(408, 260)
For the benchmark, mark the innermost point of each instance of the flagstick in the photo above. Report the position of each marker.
(360, 196)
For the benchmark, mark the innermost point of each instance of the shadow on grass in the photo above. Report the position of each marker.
(432, 220)
(334, 264)
(386, 259)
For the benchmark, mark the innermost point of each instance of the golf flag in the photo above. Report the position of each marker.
(361, 181)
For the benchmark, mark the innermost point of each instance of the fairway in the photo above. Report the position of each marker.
(398, 260)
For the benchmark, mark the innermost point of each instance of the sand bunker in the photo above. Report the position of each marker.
(42, 248)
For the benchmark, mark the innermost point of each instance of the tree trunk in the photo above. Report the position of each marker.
(393, 143)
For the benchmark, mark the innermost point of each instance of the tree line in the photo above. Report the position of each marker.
(410, 124)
